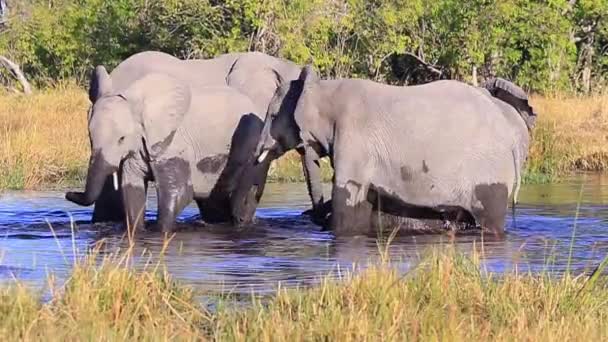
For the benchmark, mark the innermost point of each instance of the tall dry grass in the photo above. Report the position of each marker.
(446, 297)
(571, 135)
(43, 139)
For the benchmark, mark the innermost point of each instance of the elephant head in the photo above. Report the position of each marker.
(293, 115)
(142, 119)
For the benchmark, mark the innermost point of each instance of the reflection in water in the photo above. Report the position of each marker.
(285, 247)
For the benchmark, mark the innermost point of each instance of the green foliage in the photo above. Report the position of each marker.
(544, 45)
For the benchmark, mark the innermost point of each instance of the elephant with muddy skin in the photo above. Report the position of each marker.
(182, 137)
(442, 150)
(255, 75)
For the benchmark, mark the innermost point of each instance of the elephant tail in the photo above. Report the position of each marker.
(517, 184)
(514, 96)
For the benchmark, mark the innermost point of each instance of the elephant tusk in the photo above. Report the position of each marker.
(263, 156)
(115, 177)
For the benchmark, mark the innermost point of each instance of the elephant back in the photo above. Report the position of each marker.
(141, 64)
(214, 114)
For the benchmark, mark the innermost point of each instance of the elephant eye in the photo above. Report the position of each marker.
(120, 141)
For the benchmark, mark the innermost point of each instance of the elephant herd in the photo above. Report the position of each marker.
(207, 130)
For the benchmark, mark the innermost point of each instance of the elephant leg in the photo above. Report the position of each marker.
(174, 191)
(214, 209)
(490, 207)
(312, 175)
(351, 211)
(134, 188)
(109, 205)
(134, 195)
(246, 197)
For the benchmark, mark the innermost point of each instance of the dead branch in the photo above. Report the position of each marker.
(17, 73)
(426, 65)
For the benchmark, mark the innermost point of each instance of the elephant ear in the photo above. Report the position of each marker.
(309, 76)
(305, 115)
(159, 102)
(100, 84)
(258, 84)
(514, 96)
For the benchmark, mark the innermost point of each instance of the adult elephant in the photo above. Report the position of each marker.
(254, 74)
(179, 135)
(443, 148)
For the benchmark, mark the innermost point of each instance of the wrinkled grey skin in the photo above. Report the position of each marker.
(165, 130)
(440, 150)
(254, 74)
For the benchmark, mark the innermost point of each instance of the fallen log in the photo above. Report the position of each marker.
(15, 70)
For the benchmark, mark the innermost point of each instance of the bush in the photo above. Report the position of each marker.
(542, 45)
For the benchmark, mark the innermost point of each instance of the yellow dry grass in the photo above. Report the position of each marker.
(571, 134)
(43, 139)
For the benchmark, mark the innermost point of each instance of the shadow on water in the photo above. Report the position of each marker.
(285, 247)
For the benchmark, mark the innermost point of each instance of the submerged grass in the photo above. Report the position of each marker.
(448, 296)
(43, 139)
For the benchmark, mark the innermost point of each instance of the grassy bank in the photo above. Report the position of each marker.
(43, 139)
(570, 136)
(446, 297)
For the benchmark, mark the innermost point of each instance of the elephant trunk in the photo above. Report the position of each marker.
(266, 143)
(99, 170)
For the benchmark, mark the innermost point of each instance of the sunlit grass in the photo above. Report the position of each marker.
(448, 296)
(43, 139)
(571, 134)
(102, 301)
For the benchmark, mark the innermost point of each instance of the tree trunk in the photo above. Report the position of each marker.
(16, 71)
(474, 76)
(587, 63)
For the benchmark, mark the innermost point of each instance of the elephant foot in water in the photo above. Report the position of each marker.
(382, 222)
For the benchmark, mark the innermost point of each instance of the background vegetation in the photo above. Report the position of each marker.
(543, 45)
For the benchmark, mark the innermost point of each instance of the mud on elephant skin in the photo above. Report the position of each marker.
(241, 184)
(439, 146)
(255, 74)
(389, 215)
(152, 132)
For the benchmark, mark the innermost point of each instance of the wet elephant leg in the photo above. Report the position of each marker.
(134, 186)
(248, 192)
(174, 190)
(134, 196)
(240, 186)
(312, 175)
(109, 206)
(351, 211)
(490, 207)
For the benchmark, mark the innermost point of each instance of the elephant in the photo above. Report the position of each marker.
(252, 73)
(175, 133)
(439, 150)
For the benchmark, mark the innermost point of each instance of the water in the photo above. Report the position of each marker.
(285, 247)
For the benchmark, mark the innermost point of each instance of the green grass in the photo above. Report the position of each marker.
(448, 296)
(289, 169)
